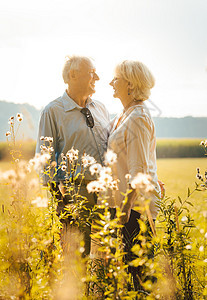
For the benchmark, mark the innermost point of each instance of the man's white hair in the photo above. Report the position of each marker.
(72, 63)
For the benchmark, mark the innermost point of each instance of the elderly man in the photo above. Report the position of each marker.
(75, 120)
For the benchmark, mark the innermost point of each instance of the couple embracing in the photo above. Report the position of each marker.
(76, 120)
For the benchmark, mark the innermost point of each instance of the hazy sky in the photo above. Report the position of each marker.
(169, 36)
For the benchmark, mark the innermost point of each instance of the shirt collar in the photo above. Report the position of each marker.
(70, 104)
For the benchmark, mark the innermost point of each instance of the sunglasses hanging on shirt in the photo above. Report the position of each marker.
(90, 123)
(89, 118)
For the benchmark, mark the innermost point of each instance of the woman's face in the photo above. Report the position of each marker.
(120, 86)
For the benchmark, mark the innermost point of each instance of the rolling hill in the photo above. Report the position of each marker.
(187, 127)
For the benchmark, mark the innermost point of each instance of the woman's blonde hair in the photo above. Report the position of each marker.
(139, 77)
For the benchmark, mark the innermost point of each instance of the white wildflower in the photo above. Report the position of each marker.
(205, 235)
(11, 122)
(142, 182)
(105, 178)
(88, 160)
(19, 115)
(34, 183)
(21, 174)
(184, 219)
(72, 154)
(128, 176)
(63, 168)
(51, 149)
(202, 231)
(34, 240)
(95, 168)
(50, 139)
(205, 214)
(110, 157)
(82, 249)
(201, 249)
(40, 160)
(40, 202)
(29, 169)
(105, 171)
(95, 186)
(92, 186)
(43, 147)
(114, 185)
(188, 247)
(19, 119)
(205, 260)
(42, 138)
(44, 158)
(9, 175)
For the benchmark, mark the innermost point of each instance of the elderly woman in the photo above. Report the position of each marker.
(132, 138)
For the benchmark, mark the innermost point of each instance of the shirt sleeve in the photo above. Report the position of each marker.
(137, 139)
(138, 143)
(47, 128)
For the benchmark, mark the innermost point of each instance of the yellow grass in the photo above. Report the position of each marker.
(179, 174)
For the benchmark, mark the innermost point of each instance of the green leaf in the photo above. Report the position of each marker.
(180, 200)
(188, 202)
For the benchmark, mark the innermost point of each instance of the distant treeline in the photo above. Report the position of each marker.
(166, 148)
(175, 148)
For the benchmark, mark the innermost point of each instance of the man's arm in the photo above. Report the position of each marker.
(47, 128)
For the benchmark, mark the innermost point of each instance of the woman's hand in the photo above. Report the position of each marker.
(161, 184)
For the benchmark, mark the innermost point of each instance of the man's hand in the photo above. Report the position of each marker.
(127, 210)
(62, 188)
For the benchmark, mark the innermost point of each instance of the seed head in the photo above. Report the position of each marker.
(19, 117)
(8, 133)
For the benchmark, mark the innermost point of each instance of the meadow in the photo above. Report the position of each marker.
(178, 174)
(33, 264)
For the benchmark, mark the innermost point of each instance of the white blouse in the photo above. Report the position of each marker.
(132, 138)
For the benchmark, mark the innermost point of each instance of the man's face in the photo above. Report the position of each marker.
(87, 77)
